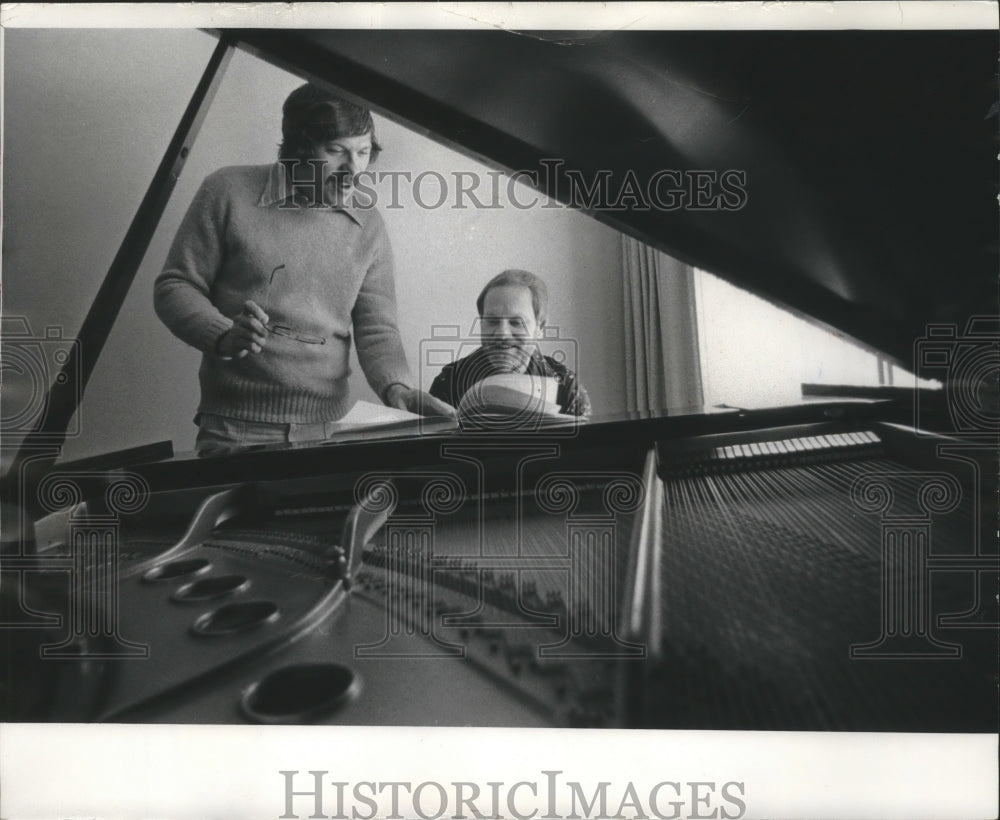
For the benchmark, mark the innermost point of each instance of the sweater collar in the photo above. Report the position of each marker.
(278, 192)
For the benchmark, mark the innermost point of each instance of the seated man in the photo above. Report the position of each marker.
(512, 311)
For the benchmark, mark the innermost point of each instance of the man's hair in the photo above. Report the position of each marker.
(521, 279)
(312, 115)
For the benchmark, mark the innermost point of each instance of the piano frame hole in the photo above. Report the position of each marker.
(300, 693)
(210, 588)
(231, 619)
(172, 570)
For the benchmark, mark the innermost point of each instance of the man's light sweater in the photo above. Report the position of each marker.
(337, 274)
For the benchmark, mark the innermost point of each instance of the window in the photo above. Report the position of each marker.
(754, 354)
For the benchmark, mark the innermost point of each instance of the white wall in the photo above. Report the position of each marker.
(88, 114)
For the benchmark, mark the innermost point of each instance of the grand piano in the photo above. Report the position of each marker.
(829, 565)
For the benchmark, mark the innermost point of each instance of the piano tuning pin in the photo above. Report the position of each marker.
(343, 571)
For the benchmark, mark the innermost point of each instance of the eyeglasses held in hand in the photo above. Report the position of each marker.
(285, 330)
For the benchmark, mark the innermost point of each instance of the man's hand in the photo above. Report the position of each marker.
(416, 401)
(247, 335)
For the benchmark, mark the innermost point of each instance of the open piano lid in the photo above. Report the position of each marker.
(869, 156)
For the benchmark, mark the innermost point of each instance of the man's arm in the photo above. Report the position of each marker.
(416, 401)
(182, 293)
(573, 398)
(579, 404)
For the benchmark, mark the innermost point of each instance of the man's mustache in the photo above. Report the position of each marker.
(341, 178)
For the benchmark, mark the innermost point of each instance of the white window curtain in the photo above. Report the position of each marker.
(662, 369)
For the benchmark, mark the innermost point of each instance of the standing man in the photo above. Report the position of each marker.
(513, 307)
(273, 270)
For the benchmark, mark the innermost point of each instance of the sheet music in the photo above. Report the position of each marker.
(366, 414)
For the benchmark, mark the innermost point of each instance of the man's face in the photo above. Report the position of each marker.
(345, 158)
(508, 328)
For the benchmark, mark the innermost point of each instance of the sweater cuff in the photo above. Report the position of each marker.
(208, 337)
